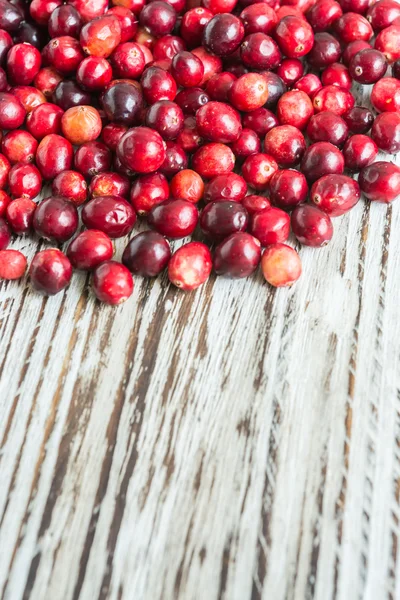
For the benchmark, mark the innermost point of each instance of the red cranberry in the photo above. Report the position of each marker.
(212, 64)
(335, 194)
(148, 191)
(311, 226)
(248, 92)
(29, 97)
(56, 218)
(248, 143)
(218, 122)
(295, 108)
(213, 159)
(64, 54)
(12, 264)
(189, 138)
(167, 46)
(327, 127)
(260, 120)
(288, 188)
(254, 203)
(5, 234)
(141, 150)
(147, 254)
(68, 94)
(336, 74)
(6, 43)
(385, 95)
(190, 266)
(286, 144)
(188, 185)
(12, 113)
(166, 118)
(109, 184)
(322, 14)
(158, 17)
(122, 102)
(351, 27)
(94, 73)
(193, 24)
(358, 119)
(23, 63)
(19, 146)
(290, 70)
(128, 60)
(89, 249)
(386, 132)
(92, 158)
(382, 14)
(294, 36)
(359, 152)
(368, 66)
(19, 215)
(352, 49)
(24, 180)
(44, 120)
(191, 99)
(81, 124)
(237, 255)
(4, 170)
(220, 6)
(127, 20)
(187, 69)
(380, 182)
(111, 214)
(258, 169)
(259, 51)
(333, 99)
(175, 160)
(357, 6)
(259, 18)
(222, 218)
(276, 88)
(281, 265)
(94, 8)
(174, 218)
(54, 155)
(101, 36)
(223, 34)
(112, 283)
(218, 87)
(309, 84)
(70, 185)
(270, 226)
(326, 51)
(65, 20)
(322, 158)
(387, 42)
(225, 187)
(4, 202)
(158, 85)
(47, 80)
(50, 271)
(40, 10)
(111, 135)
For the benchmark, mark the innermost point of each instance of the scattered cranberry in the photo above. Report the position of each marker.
(259, 17)
(166, 118)
(89, 249)
(122, 102)
(188, 185)
(190, 266)
(5, 234)
(225, 187)
(386, 132)
(327, 127)
(295, 108)
(260, 120)
(12, 264)
(68, 94)
(237, 255)
(213, 159)
(187, 69)
(286, 144)
(47, 80)
(174, 218)
(258, 169)
(24, 181)
(112, 283)
(368, 66)
(193, 24)
(218, 86)
(95, 73)
(270, 226)
(260, 51)
(64, 54)
(108, 184)
(288, 188)
(12, 112)
(19, 215)
(294, 36)
(101, 36)
(311, 226)
(281, 265)
(147, 254)
(56, 219)
(111, 214)
(385, 95)
(382, 14)
(70, 185)
(220, 219)
(218, 122)
(380, 182)
(148, 191)
(351, 27)
(358, 119)
(335, 194)
(359, 152)
(65, 20)
(23, 63)
(157, 85)
(54, 154)
(321, 158)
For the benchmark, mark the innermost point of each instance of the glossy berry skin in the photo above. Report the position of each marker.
(326, 126)
(218, 122)
(270, 226)
(29, 96)
(190, 266)
(387, 42)
(288, 188)
(260, 120)
(157, 85)
(4, 202)
(382, 14)
(351, 27)
(286, 144)
(213, 159)
(92, 158)
(101, 36)
(175, 160)
(188, 185)
(258, 169)
(358, 119)
(112, 133)
(290, 70)
(68, 93)
(166, 118)
(257, 18)
(237, 256)
(385, 95)
(12, 112)
(225, 187)
(248, 143)
(386, 132)
(334, 99)
(321, 158)
(326, 51)
(148, 191)
(368, 66)
(337, 74)
(44, 120)
(95, 73)
(4, 170)
(191, 99)
(249, 92)
(323, 14)
(112, 283)
(63, 54)
(281, 265)
(220, 219)
(19, 146)
(127, 60)
(166, 47)
(50, 271)
(141, 150)
(380, 182)
(295, 108)
(71, 185)
(396, 69)
(218, 86)
(147, 254)
(56, 219)
(253, 203)
(111, 214)
(12, 264)
(24, 181)
(260, 51)
(359, 152)
(64, 20)
(294, 36)
(122, 103)
(352, 49)
(54, 154)
(127, 20)
(47, 80)
(23, 64)
(309, 84)
(6, 43)
(81, 124)
(193, 24)
(109, 184)
(223, 34)
(335, 194)
(311, 226)
(89, 249)
(276, 88)
(19, 215)
(5, 234)
(158, 17)
(174, 218)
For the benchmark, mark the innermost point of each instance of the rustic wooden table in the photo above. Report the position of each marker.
(236, 443)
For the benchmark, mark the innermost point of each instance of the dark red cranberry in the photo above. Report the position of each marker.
(259, 51)
(386, 132)
(109, 184)
(19, 215)
(334, 99)
(290, 70)
(29, 96)
(336, 74)
(54, 154)
(327, 127)
(5, 45)
(127, 20)
(248, 143)
(123, 103)
(4, 202)
(158, 17)
(213, 159)
(260, 120)
(288, 188)
(89, 249)
(396, 69)
(295, 108)
(92, 158)
(10, 16)
(19, 146)
(193, 24)
(351, 27)
(4, 170)
(175, 160)
(165, 117)
(218, 86)
(174, 218)
(188, 185)
(157, 85)
(220, 219)
(141, 150)
(270, 226)
(258, 169)
(368, 66)
(335, 194)
(187, 69)
(147, 254)
(382, 14)
(50, 271)
(44, 120)
(56, 219)
(70, 185)
(322, 14)
(101, 36)
(47, 80)
(352, 49)
(249, 92)
(112, 133)
(359, 151)
(223, 34)
(356, 6)
(326, 51)
(309, 84)
(5, 234)
(65, 20)
(225, 187)
(167, 46)
(23, 63)
(12, 113)
(24, 180)
(294, 36)
(385, 95)
(111, 214)
(218, 122)
(237, 255)
(276, 88)
(321, 158)
(387, 42)
(112, 283)
(380, 182)
(191, 99)
(259, 18)
(358, 119)
(31, 34)
(3, 80)
(94, 73)
(148, 191)
(68, 94)
(64, 54)
(286, 144)
(311, 226)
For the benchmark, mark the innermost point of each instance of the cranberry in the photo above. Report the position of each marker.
(191, 99)
(70, 185)
(81, 124)
(290, 70)
(335, 194)
(311, 226)
(218, 122)
(112, 133)
(352, 49)
(54, 154)
(64, 54)
(31, 34)
(101, 36)
(357, 6)
(44, 120)
(225, 187)
(56, 218)
(333, 99)
(123, 103)
(167, 46)
(259, 18)
(89, 249)
(4, 170)
(322, 158)
(5, 234)
(259, 51)
(188, 185)
(174, 218)
(218, 86)
(286, 144)
(213, 159)
(270, 226)
(111, 214)
(368, 66)
(19, 214)
(258, 169)
(323, 13)
(68, 94)
(385, 95)
(112, 283)
(92, 158)
(359, 152)
(165, 117)
(158, 17)
(3, 80)
(327, 127)
(145, 40)
(147, 254)
(5, 44)
(336, 74)
(12, 112)
(65, 20)
(24, 180)
(187, 69)
(358, 119)
(128, 60)
(148, 191)
(260, 120)
(386, 132)
(10, 16)
(295, 108)
(19, 146)
(276, 88)
(94, 73)
(12, 264)
(189, 138)
(190, 266)
(326, 51)
(220, 6)
(382, 14)
(4, 202)
(23, 63)
(248, 143)
(294, 36)
(396, 69)
(254, 203)
(158, 85)
(281, 265)
(351, 27)
(288, 188)
(309, 84)
(221, 219)
(223, 34)
(380, 182)
(141, 150)
(50, 271)
(248, 92)
(175, 160)
(40, 10)
(127, 20)
(109, 184)
(387, 42)
(29, 96)
(193, 24)
(237, 255)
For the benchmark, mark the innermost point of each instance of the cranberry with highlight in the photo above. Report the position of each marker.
(368, 66)
(175, 160)
(358, 119)
(56, 219)
(326, 51)
(89, 249)
(50, 271)
(260, 51)
(64, 54)
(112, 283)
(19, 146)
(288, 188)
(4, 202)
(157, 85)
(359, 151)
(223, 34)
(322, 14)
(166, 118)
(327, 127)
(112, 133)
(127, 20)
(260, 120)
(387, 42)
(94, 73)
(24, 181)
(218, 86)
(385, 95)
(351, 27)
(254, 203)
(193, 24)
(259, 18)
(128, 60)
(174, 218)
(141, 150)
(70, 185)
(220, 219)
(382, 14)
(218, 122)
(380, 182)
(101, 36)
(295, 36)
(148, 191)
(276, 88)
(295, 108)
(92, 158)
(122, 102)
(147, 254)
(44, 120)
(111, 214)
(12, 264)
(335, 194)
(321, 158)
(290, 70)
(386, 132)
(23, 64)
(158, 17)
(337, 74)
(213, 159)
(225, 187)
(248, 92)
(270, 226)
(68, 94)
(109, 184)
(65, 20)
(333, 99)
(190, 266)
(12, 112)
(188, 185)
(352, 49)
(237, 256)
(19, 215)
(281, 265)
(248, 143)
(187, 69)
(81, 124)
(286, 144)
(311, 226)
(165, 48)
(258, 169)
(309, 84)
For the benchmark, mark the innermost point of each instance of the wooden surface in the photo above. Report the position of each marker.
(236, 443)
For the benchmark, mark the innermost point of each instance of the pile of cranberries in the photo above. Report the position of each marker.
(230, 120)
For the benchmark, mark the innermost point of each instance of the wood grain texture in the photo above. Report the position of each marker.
(236, 443)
